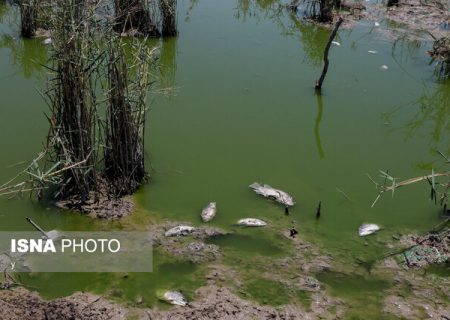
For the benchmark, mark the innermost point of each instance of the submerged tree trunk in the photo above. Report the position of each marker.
(169, 22)
(133, 16)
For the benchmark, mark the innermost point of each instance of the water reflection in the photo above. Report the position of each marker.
(28, 55)
(191, 7)
(168, 62)
(317, 125)
(432, 114)
(311, 36)
(3, 10)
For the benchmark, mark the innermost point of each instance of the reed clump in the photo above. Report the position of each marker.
(153, 18)
(135, 17)
(127, 85)
(169, 22)
(29, 15)
(321, 10)
(72, 100)
(94, 155)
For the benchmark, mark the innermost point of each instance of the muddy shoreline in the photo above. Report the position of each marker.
(224, 295)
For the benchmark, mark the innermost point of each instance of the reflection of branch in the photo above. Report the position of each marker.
(317, 125)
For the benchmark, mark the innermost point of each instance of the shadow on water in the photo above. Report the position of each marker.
(364, 294)
(249, 245)
(27, 55)
(168, 61)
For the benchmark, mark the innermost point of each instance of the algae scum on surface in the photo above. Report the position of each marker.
(241, 108)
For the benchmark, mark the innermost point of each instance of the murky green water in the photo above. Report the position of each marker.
(243, 109)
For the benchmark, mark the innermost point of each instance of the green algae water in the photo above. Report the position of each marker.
(242, 108)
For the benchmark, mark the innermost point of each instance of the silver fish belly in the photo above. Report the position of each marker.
(252, 222)
(269, 192)
(179, 231)
(209, 212)
(368, 228)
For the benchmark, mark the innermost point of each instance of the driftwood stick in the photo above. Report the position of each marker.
(417, 179)
(37, 227)
(325, 54)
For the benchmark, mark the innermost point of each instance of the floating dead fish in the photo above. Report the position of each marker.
(174, 297)
(274, 194)
(367, 228)
(252, 222)
(179, 231)
(48, 41)
(209, 212)
(336, 43)
(372, 51)
(376, 24)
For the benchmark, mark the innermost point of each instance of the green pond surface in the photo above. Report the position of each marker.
(242, 108)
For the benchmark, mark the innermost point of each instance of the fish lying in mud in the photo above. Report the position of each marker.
(252, 222)
(179, 231)
(174, 297)
(367, 228)
(274, 194)
(209, 212)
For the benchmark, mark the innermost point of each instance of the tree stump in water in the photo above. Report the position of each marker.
(325, 55)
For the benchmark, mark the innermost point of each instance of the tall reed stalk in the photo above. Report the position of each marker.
(125, 120)
(71, 97)
(28, 15)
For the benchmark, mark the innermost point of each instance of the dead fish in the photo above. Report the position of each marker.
(384, 67)
(272, 193)
(376, 24)
(367, 228)
(252, 222)
(209, 212)
(336, 43)
(175, 298)
(372, 51)
(179, 231)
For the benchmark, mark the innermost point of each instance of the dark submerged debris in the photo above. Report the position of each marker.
(318, 211)
(433, 248)
(440, 53)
